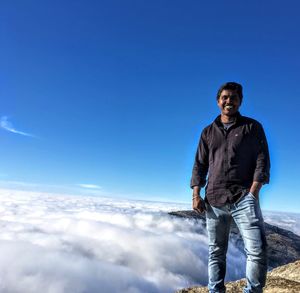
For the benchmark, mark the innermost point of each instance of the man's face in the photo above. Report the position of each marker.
(229, 102)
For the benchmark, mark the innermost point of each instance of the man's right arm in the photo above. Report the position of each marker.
(200, 167)
(199, 174)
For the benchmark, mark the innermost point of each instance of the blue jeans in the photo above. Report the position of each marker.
(247, 215)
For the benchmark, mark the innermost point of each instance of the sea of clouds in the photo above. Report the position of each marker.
(288, 221)
(58, 243)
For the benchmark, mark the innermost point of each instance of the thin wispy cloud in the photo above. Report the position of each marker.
(8, 126)
(71, 189)
(18, 183)
(89, 186)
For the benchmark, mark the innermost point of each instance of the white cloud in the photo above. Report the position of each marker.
(7, 125)
(89, 186)
(288, 221)
(19, 183)
(26, 267)
(51, 243)
(90, 189)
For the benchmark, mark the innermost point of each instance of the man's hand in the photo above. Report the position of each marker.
(198, 204)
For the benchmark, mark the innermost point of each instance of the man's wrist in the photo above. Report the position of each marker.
(255, 188)
(196, 190)
(197, 196)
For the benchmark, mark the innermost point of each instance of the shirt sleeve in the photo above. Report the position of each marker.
(200, 168)
(262, 170)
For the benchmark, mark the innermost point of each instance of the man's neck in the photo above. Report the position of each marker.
(228, 119)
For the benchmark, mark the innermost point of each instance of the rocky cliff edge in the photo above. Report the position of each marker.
(284, 279)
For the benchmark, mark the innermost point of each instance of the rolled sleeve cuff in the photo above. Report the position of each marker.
(199, 182)
(262, 178)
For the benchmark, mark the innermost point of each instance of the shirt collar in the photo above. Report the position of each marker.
(220, 124)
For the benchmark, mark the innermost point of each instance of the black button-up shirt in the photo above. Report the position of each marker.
(232, 159)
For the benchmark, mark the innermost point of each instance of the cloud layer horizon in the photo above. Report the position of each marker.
(55, 243)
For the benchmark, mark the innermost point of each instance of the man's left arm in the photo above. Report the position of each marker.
(262, 170)
(255, 188)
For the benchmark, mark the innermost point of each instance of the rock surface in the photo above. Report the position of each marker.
(283, 245)
(284, 279)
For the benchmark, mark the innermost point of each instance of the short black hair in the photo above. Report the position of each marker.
(231, 85)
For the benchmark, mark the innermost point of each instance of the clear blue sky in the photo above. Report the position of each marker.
(115, 93)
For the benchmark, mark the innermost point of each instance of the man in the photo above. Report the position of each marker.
(233, 152)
